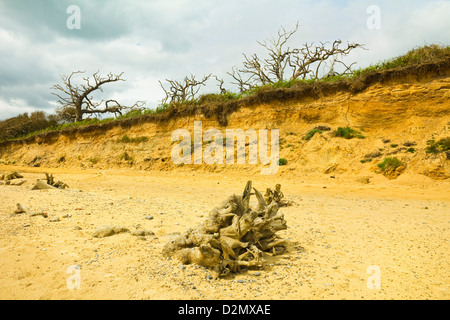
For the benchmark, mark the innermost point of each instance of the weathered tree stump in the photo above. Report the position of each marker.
(49, 183)
(10, 176)
(234, 236)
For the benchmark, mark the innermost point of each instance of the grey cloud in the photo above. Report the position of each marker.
(151, 40)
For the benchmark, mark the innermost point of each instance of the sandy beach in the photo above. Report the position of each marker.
(339, 233)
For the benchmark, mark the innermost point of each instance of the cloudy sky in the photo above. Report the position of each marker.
(154, 40)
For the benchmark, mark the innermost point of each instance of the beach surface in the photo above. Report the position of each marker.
(348, 240)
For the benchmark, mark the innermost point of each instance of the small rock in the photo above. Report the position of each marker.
(241, 281)
(54, 219)
(149, 217)
(257, 273)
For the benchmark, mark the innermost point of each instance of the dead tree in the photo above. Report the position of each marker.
(181, 91)
(302, 63)
(243, 84)
(309, 60)
(76, 100)
(222, 89)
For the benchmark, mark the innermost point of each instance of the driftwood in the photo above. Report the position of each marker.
(234, 236)
(58, 184)
(49, 183)
(23, 209)
(9, 179)
(11, 175)
(42, 185)
(277, 196)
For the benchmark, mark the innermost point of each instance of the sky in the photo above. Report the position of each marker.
(151, 40)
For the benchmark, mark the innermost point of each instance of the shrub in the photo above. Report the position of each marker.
(125, 139)
(311, 134)
(442, 145)
(282, 162)
(390, 164)
(162, 108)
(125, 156)
(411, 150)
(348, 133)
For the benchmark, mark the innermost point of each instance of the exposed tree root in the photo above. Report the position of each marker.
(234, 236)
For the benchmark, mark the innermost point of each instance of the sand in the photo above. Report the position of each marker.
(338, 229)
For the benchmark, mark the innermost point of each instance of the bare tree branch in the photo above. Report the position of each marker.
(76, 100)
(180, 91)
(308, 61)
(222, 89)
(244, 85)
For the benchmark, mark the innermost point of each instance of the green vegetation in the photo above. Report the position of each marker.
(411, 150)
(348, 133)
(393, 145)
(93, 160)
(282, 162)
(443, 145)
(311, 134)
(426, 54)
(390, 164)
(126, 139)
(126, 157)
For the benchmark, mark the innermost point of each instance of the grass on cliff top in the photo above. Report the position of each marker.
(427, 54)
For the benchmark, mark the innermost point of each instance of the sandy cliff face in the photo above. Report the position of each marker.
(392, 117)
